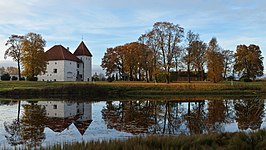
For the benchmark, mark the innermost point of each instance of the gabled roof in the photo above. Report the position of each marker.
(82, 50)
(59, 52)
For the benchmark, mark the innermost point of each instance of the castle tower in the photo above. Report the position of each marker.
(84, 70)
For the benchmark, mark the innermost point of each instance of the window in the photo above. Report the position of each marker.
(55, 70)
(55, 106)
(55, 63)
(54, 80)
(70, 63)
(77, 65)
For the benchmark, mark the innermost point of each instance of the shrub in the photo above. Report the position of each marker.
(22, 79)
(230, 78)
(5, 77)
(110, 79)
(14, 78)
(245, 79)
(32, 78)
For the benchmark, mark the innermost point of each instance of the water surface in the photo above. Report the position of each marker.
(48, 122)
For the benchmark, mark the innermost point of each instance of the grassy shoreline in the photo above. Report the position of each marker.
(241, 140)
(106, 90)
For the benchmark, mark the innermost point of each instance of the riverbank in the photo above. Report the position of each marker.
(106, 90)
(241, 140)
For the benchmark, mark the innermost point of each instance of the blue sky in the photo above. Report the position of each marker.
(109, 23)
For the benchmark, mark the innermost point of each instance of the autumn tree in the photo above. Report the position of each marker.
(165, 38)
(149, 40)
(113, 61)
(215, 61)
(192, 38)
(34, 60)
(198, 57)
(12, 70)
(2, 70)
(228, 61)
(15, 49)
(249, 61)
(137, 60)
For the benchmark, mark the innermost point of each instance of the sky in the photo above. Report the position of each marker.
(108, 23)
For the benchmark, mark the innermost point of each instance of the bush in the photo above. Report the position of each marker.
(230, 78)
(14, 78)
(245, 79)
(32, 78)
(110, 79)
(5, 77)
(22, 79)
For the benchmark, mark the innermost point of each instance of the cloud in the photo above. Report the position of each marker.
(109, 23)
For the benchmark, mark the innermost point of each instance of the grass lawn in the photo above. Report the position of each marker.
(132, 89)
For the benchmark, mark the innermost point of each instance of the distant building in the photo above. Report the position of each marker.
(183, 76)
(65, 66)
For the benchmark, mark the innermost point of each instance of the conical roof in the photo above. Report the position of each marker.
(59, 52)
(82, 50)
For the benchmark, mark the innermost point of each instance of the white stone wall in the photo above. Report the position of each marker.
(50, 75)
(70, 70)
(80, 69)
(87, 115)
(87, 61)
(59, 109)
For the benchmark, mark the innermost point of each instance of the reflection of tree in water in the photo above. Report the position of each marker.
(32, 125)
(128, 116)
(196, 117)
(169, 118)
(143, 117)
(249, 113)
(216, 115)
(13, 129)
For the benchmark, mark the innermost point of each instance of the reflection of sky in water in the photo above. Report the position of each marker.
(97, 130)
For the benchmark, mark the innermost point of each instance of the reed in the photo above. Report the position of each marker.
(251, 140)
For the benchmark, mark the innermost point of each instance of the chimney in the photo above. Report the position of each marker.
(68, 48)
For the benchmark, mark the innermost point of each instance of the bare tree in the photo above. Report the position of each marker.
(191, 39)
(165, 37)
(14, 51)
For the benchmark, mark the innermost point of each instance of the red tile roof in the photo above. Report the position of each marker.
(59, 52)
(82, 126)
(82, 50)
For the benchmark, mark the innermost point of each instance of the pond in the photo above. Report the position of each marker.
(42, 123)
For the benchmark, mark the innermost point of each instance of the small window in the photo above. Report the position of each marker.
(55, 70)
(55, 106)
(55, 63)
(78, 65)
(70, 63)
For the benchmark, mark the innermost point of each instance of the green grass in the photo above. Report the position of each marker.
(243, 141)
(9, 89)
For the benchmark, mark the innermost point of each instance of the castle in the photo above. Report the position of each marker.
(64, 66)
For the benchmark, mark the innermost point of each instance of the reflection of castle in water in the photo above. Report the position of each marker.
(60, 115)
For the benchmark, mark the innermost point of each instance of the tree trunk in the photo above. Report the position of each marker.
(188, 71)
(19, 103)
(19, 74)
